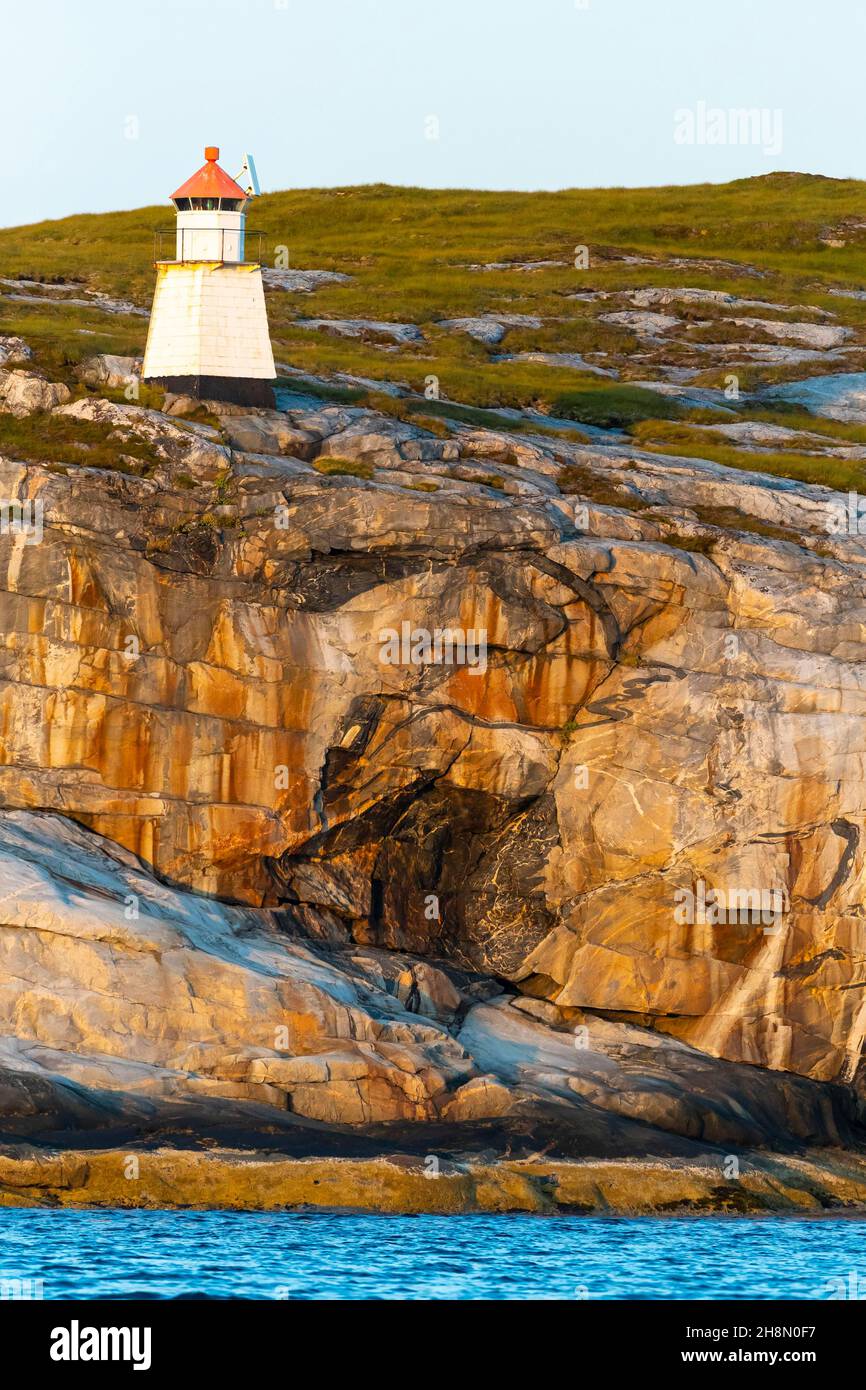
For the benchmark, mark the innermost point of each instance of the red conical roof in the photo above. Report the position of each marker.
(210, 181)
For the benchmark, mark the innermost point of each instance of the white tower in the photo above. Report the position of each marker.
(208, 334)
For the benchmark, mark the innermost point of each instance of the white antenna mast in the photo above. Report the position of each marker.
(248, 178)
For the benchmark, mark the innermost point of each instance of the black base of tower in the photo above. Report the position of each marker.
(238, 390)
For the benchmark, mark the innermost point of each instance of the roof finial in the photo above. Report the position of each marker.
(211, 153)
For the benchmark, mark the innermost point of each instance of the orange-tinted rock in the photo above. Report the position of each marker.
(192, 665)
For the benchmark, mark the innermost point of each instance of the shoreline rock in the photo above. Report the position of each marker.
(235, 1181)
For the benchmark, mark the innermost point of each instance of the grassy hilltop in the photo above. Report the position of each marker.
(785, 241)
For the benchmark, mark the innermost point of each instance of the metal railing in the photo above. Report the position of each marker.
(165, 240)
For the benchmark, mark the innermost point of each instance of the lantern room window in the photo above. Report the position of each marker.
(208, 204)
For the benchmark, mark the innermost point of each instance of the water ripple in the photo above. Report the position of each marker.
(323, 1254)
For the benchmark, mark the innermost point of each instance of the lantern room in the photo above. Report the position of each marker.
(211, 214)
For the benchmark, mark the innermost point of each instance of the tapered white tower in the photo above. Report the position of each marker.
(208, 333)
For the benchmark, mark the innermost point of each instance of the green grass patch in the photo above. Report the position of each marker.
(731, 519)
(345, 395)
(597, 487)
(463, 414)
(613, 407)
(794, 417)
(61, 336)
(673, 432)
(482, 479)
(337, 467)
(62, 440)
(151, 397)
(659, 438)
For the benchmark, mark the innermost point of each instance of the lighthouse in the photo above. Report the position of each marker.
(208, 334)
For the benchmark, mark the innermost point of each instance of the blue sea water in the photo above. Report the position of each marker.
(334, 1255)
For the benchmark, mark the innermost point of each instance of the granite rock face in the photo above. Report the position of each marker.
(22, 393)
(129, 1005)
(107, 369)
(635, 792)
(13, 349)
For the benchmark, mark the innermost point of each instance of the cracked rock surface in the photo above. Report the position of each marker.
(671, 703)
(130, 1007)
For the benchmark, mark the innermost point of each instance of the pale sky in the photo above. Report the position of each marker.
(108, 103)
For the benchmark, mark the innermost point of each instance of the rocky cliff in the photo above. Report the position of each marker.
(151, 1039)
(266, 845)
